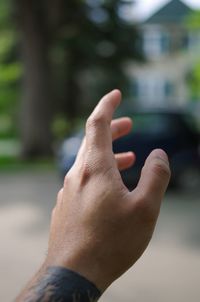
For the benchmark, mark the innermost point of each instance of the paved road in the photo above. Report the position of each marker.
(169, 271)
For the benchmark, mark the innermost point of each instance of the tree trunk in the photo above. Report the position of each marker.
(72, 93)
(37, 89)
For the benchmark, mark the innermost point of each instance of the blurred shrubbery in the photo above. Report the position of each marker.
(10, 73)
(66, 55)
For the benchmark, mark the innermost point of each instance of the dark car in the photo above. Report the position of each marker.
(169, 130)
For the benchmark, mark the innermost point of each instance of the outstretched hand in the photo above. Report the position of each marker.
(99, 229)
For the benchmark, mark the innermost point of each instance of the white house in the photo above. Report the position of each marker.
(170, 49)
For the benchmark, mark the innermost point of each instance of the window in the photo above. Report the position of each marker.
(153, 90)
(193, 40)
(155, 43)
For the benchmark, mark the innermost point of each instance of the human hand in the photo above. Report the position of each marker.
(99, 229)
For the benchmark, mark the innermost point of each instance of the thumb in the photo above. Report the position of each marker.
(154, 177)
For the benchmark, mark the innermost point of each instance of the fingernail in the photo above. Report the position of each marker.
(159, 153)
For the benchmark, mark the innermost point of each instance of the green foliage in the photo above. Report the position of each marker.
(96, 41)
(194, 82)
(7, 42)
(193, 21)
(193, 24)
(5, 8)
(10, 72)
(14, 164)
(86, 43)
(60, 127)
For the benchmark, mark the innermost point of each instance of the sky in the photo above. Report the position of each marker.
(145, 8)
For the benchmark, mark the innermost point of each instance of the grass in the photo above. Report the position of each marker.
(16, 164)
(10, 159)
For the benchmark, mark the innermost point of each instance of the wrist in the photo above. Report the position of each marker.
(54, 283)
(72, 285)
(85, 265)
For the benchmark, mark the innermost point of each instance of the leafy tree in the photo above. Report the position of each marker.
(70, 49)
(194, 82)
(99, 43)
(193, 20)
(193, 25)
(10, 71)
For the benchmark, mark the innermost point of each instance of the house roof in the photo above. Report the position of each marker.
(175, 11)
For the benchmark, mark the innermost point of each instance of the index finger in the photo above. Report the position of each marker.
(98, 132)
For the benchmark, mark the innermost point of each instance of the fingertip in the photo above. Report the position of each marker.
(115, 95)
(116, 92)
(125, 160)
(161, 154)
(128, 121)
(131, 155)
(131, 158)
(120, 127)
(155, 176)
(157, 162)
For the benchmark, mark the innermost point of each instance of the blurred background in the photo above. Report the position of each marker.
(57, 58)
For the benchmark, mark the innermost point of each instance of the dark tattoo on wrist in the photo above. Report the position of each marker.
(59, 284)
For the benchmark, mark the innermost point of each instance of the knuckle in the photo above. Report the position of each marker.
(53, 212)
(59, 195)
(67, 180)
(94, 121)
(85, 174)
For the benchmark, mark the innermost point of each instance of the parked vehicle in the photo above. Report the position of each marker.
(170, 130)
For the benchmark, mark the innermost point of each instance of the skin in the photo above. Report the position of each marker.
(98, 228)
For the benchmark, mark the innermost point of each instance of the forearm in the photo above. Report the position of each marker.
(55, 284)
